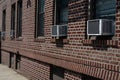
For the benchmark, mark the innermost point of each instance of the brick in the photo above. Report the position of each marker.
(99, 58)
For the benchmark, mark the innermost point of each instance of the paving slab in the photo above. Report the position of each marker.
(9, 74)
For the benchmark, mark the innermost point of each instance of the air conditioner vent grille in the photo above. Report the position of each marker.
(100, 27)
(59, 30)
(93, 27)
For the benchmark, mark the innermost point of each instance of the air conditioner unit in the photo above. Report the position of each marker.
(100, 27)
(59, 31)
(3, 35)
(12, 34)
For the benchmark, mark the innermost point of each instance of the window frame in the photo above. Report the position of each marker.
(39, 34)
(13, 18)
(57, 14)
(19, 19)
(4, 20)
(54, 70)
(92, 10)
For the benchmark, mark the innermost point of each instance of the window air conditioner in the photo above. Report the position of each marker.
(12, 33)
(100, 27)
(59, 31)
(3, 35)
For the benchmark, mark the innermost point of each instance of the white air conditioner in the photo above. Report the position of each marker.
(100, 27)
(59, 31)
(12, 34)
(3, 35)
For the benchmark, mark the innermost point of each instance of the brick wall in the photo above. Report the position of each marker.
(97, 61)
(72, 76)
(5, 58)
(118, 21)
(34, 70)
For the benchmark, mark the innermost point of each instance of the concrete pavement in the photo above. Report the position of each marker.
(9, 74)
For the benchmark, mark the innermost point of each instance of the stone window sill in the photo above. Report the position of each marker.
(19, 39)
(112, 43)
(39, 39)
(65, 41)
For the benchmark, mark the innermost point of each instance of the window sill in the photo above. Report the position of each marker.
(12, 39)
(19, 39)
(39, 39)
(65, 41)
(107, 43)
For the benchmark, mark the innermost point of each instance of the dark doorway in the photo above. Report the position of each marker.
(0, 49)
(0, 53)
(18, 59)
(11, 63)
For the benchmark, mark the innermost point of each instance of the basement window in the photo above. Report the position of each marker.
(57, 73)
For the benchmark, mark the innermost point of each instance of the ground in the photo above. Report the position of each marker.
(9, 74)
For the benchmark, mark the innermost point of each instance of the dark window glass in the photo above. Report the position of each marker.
(19, 18)
(13, 17)
(40, 18)
(61, 12)
(13, 10)
(103, 9)
(4, 20)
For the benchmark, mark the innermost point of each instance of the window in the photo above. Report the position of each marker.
(40, 18)
(19, 19)
(3, 24)
(104, 9)
(4, 21)
(57, 73)
(13, 20)
(61, 12)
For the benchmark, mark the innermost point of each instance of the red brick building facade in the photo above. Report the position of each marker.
(74, 57)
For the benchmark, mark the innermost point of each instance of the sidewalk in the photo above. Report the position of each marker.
(8, 74)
